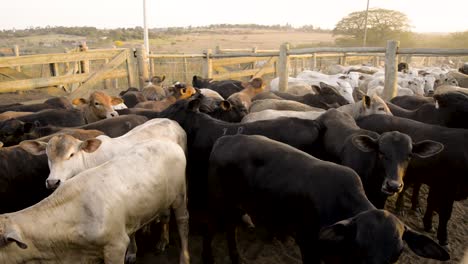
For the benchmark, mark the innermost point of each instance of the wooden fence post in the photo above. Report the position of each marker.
(16, 52)
(391, 70)
(283, 67)
(186, 77)
(131, 68)
(151, 66)
(207, 64)
(84, 64)
(143, 73)
(254, 50)
(314, 61)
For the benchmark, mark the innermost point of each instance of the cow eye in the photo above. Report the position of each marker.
(381, 109)
(71, 155)
(96, 103)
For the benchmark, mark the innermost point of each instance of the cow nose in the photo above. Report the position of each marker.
(114, 114)
(392, 187)
(52, 184)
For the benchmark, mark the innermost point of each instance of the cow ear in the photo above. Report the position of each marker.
(225, 105)
(194, 105)
(34, 147)
(424, 246)
(90, 145)
(316, 89)
(365, 143)
(366, 101)
(79, 101)
(163, 78)
(116, 100)
(337, 235)
(13, 236)
(427, 148)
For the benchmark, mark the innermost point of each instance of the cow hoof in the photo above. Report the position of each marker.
(161, 246)
(130, 259)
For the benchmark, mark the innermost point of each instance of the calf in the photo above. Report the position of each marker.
(245, 96)
(225, 88)
(154, 90)
(366, 106)
(445, 173)
(52, 103)
(180, 92)
(380, 160)
(11, 129)
(132, 98)
(22, 175)
(320, 203)
(91, 217)
(98, 106)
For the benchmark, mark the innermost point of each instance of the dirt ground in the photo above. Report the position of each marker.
(253, 250)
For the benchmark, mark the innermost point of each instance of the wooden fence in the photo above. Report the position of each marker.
(136, 66)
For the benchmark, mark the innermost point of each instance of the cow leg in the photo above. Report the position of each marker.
(114, 253)
(431, 205)
(163, 242)
(445, 212)
(232, 243)
(182, 218)
(415, 198)
(130, 256)
(207, 253)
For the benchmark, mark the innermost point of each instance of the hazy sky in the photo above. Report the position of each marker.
(425, 15)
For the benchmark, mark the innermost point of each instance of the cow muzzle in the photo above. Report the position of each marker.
(52, 184)
(390, 187)
(112, 114)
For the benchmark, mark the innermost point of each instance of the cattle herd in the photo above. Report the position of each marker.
(82, 180)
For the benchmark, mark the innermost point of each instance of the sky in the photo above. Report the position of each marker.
(425, 15)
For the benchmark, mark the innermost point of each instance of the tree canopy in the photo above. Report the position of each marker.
(382, 25)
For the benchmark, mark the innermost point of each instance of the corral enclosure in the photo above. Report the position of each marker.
(117, 69)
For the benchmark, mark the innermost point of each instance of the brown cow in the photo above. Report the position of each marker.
(179, 91)
(244, 97)
(99, 106)
(12, 114)
(155, 91)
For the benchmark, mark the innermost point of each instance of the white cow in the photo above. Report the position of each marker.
(91, 217)
(69, 157)
(340, 81)
(274, 114)
(295, 86)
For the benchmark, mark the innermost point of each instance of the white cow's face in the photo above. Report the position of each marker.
(345, 89)
(416, 85)
(65, 157)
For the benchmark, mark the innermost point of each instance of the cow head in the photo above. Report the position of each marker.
(65, 155)
(329, 96)
(13, 131)
(200, 82)
(374, 237)
(98, 106)
(373, 105)
(395, 151)
(403, 67)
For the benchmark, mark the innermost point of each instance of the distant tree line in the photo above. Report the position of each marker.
(124, 34)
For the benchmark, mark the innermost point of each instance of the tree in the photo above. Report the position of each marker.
(382, 25)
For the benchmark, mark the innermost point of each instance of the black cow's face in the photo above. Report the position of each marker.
(182, 111)
(375, 237)
(12, 131)
(395, 151)
(229, 112)
(200, 82)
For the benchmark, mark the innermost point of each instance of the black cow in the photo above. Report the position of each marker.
(112, 127)
(445, 173)
(403, 67)
(411, 102)
(464, 69)
(450, 110)
(225, 88)
(52, 103)
(326, 97)
(132, 98)
(203, 130)
(11, 128)
(320, 203)
(380, 160)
